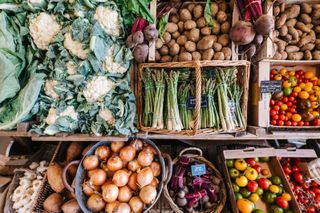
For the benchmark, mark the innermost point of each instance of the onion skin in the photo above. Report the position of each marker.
(155, 182)
(156, 168)
(98, 177)
(116, 146)
(95, 203)
(137, 144)
(149, 148)
(122, 208)
(110, 206)
(110, 192)
(114, 163)
(120, 178)
(136, 204)
(90, 162)
(133, 182)
(103, 152)
(144, 177)
(127, 153)
(148, 194)
(89, 189)
(134, 166)
(125, 194)
(145, 158)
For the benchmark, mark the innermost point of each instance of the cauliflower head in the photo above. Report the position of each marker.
(43, 30)
(75, 47)
(110, 65)
(71, 68)
(107, 115)
(109, 20)
(69, 111)
(97, 88)
(49, 89)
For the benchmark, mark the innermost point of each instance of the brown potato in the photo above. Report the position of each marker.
(217, 47)
(224, 40)
(301, 26)
(166, 37)
(305, 18)
(166, 58)
(305, 40)
(175, 58)
(316, 11)
(194, 35)
(207, 54)
(206, 31)
(171, 27)
(157, 56)
(307, 55)
(172, 42)
(201, 22)
(223, 6)
(164, 50)
(281, 20)
(222, 16)
(309, 46)
(292, 48)
(190, 24)
(174, 19)
(71, 206)
(283, 31)
(74, 151)
(53, 203)
(216, 28)
(291, 22)
(190, 46)
(190, 6)
(292, 31)
(196, 56)
(185, 56)
(316, 55)
(218, 56)
(227, 53)
(182, 39)
(225, 27)
(185, 15)
(293, 11)
(181, 26)
(306, 8)
(276, 10)
(175, 35)
(205, 43)
(159, 43)
(214, 9)
(295, 56)
(174, 49)
(198, 11)
(54, 175)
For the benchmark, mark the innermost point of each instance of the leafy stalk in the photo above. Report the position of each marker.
(158, 77)
(149, 94)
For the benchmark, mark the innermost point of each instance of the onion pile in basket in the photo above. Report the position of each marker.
(121, 177)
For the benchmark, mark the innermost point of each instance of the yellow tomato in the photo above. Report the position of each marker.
(240, 164)
(275, 189)
(289, 115)
(309, 84)
(318, 93)
(312, 97)
(297, 89)
(308, 74)
(314, 78)
(302, 85)
(287, 196)
(251, 173)
(303, 95)
(291, 73)
(274, 71)
(296, 117)
(245, 205)
(316, 88)
(286, 84)
(314, 104)
(315, 114)
(242, 181)
(283, 71)
(278, 77)
(308, 89)
(254, 197)
(284, 107)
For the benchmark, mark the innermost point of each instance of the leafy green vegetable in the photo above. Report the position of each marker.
(140, 8)
(207, 14)
(162, 24)
(17, 109)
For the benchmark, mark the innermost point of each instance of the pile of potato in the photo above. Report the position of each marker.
(188, 36)
(297, 32)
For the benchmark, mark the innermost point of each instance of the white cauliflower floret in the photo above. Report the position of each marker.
(109, 20)
(43, 29)
(110, 65)
(71, 68)
(107, 115)
(49, 89)
(69, 111)
(52, 116)
(75, 47)
(97, 88)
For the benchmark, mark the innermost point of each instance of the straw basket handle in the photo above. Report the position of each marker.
(169, 166)
(191, 149)
(64, 175)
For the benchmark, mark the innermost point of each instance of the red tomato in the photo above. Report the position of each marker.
(295, 169)
(273, 112)
(300, 123)
(275, 117)
(300, 72)
(316, 190)
(295, 94)
(280, 122)
(288, 123)
(276, 108)
(298, 177)
(310, 209)
(293, 110)
(300, 80)
(272, 102)
(306, 123)
(304, 186)
(287, 170)
(289, 103)
(264, 183)
(279, 103)
(294, 102)
(273, 122)
(281, 202)
(291, 98)
(314, 184)
(294, 123)
(282, 117)
(314, 82)
(285, 100)
(257, 167)
(252, 186)
(317, 198)
(315, 122)
(281, 112)
(251, 161)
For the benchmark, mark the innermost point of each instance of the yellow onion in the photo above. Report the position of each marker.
(120, 178)
(116, 146)
(114, 163)
(133, 182)
(148, 194)
(110, 192)
(127, 153)
(125, 194)
(136, 204)
(145, 158)
(144, 177)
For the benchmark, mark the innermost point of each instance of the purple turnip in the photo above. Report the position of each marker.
(150, 33)
(242, 33)
(141, 52)
(264, 24)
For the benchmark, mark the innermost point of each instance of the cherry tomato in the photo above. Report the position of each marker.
(282, 117)
(287, 170)
(288, 123)
(279, 103)
(257, 167)
(280, 122)
(295, 94)
(300, 80)
(281, 112)
(289, 103)
(273, 122)
(276, 108)
(281, 202)
(310, 209)
(316, 190)
(294, 123)
(316, 122)
(298, 177)
(273, 112)
(272, 102)
(300, 72)
(295, 169)
(275, 117)
(314, 184)
(293, 110)
(291, 98)
(317, 198)
(285, 100)
(314, 82)
(306, 123)
(251, 162)
(300, 123)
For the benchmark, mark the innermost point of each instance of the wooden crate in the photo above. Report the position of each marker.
(243, 76)
(234, 18)
(267, 50)
(259, 103)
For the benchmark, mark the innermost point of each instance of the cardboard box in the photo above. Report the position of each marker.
(273, 166)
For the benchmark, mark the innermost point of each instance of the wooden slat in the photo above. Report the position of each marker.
(79, 137)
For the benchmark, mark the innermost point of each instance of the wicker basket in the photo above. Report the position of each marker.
(216, 209)
(243, 79)
(46, 153)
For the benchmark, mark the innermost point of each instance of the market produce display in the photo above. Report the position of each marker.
(122, 177)
(297, 28)
(193, 31)
(298, 102)
(168, 99)
(306, 191)
(252, 185)
(84, 62)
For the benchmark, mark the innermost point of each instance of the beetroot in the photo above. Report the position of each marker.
(264, 24)
(150, 33)
(141, 52)
(242, 33)
(138, 37)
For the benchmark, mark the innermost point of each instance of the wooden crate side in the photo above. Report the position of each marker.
(235, 18)
(152, 44)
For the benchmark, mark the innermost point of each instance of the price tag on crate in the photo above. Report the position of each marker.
(270, 86)
(197, 170)
(191, 102)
